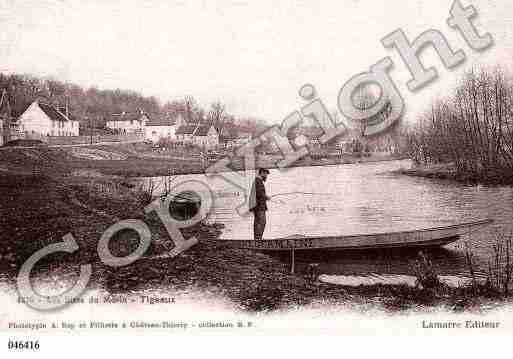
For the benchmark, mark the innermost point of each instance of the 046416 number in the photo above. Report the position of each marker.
(23, 345)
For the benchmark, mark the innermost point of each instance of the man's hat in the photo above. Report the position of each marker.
(263, 170)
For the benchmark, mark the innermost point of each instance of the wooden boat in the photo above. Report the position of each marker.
(428, 237)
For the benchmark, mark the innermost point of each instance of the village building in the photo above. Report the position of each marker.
(227, 136)
(128, 123)
(347, 144)
(206, 136)
(41, 120)
(201, 135)
(185, 134)
(350, 141)
(160, 128)
(178, 119)
(312, 135)
(306, 136)
(243, 138)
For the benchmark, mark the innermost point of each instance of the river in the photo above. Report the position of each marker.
(367, 198)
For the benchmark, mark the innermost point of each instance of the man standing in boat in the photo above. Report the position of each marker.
(258, 203)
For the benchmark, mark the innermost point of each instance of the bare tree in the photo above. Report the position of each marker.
(473, 129)
(217, 113)
(190, 108)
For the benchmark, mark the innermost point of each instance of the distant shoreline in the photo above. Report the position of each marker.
(447, 171)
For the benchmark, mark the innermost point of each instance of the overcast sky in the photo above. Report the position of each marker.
(252, 56)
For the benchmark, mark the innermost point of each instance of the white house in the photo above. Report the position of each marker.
(155, 133)
(41, 119)
(206, 136)
(200, 134)
(160, 128)
(128, 123)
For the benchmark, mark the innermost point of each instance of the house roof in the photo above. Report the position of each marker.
(52, 112)
(312, 132)
(185, 130)
(161, 121)
(17, 111)
(202, 130)
(127, 116)
(228, 133)
(70, 116)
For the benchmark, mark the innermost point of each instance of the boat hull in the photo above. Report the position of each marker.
(429, 237)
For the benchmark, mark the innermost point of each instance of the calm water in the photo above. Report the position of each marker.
(367, 198)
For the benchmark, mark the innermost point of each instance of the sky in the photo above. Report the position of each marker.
(252, 56)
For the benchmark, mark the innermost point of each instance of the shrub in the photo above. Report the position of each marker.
(427, 277)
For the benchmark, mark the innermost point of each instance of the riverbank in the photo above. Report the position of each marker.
(447, 171)
(138, 160)
(40, 208)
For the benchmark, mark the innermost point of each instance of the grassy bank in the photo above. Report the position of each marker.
(121, 160)
(39, 210)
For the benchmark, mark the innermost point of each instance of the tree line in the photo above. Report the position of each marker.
(95, 104)
(472, 128)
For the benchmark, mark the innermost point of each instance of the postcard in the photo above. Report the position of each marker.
(255, 168)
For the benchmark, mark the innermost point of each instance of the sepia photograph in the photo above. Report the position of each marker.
(255, 167)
